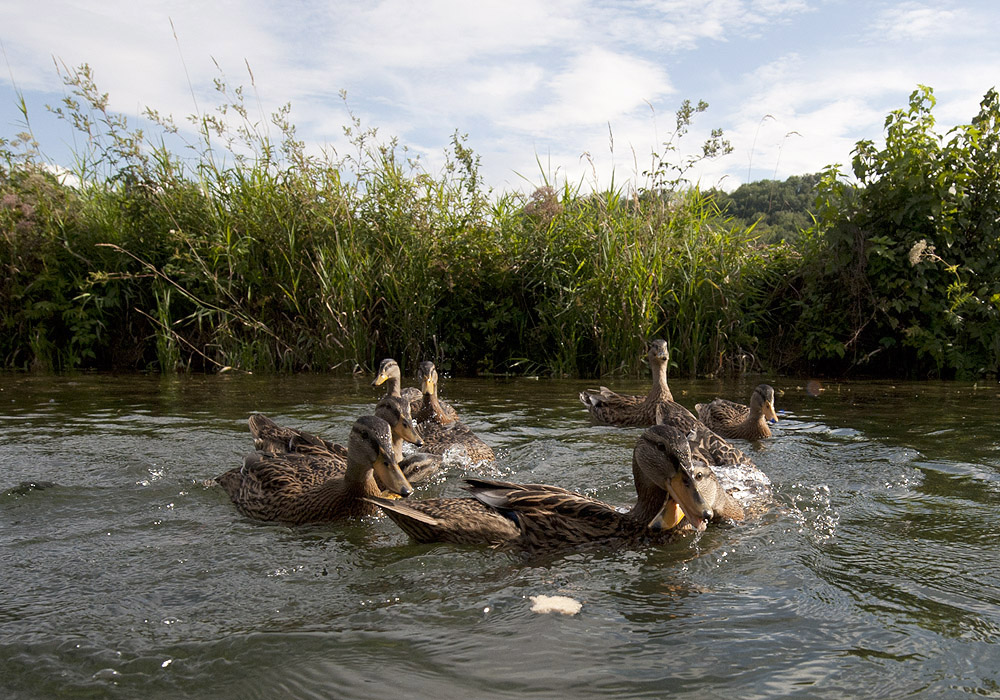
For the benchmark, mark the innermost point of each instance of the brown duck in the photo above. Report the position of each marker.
(606, 406)
(735, 420)
(537, 516)
(271, 437)
(389, 374)
(439, 427)
(298, 488)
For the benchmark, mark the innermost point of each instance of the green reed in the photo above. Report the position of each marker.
(251, 254)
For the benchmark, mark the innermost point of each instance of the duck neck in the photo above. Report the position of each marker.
(755, 423)
(359, 477)
(431, 402)
(397, 446)
(392, 385)
(649, 497)
(659, 391)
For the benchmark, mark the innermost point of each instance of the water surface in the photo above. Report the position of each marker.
(875, 572)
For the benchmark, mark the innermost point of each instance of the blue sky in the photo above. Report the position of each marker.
(793, 83)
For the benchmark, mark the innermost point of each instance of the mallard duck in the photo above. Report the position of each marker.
(425, 402)
(735, 420)
(535, 516)
(440, 430)
(730, 465)
(606, 406)
(388, 371)
(705, 445)
(271, 437)
(722, 503)
(298, 488)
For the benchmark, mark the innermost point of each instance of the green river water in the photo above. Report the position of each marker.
(875, 572)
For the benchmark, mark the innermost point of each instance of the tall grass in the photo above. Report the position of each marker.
(245, 252)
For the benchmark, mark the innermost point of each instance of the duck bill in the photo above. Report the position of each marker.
(390, 476)
(380, 379)
(681, 489)
(669, 517)
(769, 413)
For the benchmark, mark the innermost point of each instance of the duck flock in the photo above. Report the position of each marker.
(687, 472)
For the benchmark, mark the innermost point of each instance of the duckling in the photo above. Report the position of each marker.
(606, 406)
(734, 420)
(537, 516)
(299, 488)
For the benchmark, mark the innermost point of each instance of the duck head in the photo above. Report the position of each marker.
(663, 457)
(371, 443)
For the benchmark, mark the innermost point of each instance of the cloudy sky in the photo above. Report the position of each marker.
(565, 89)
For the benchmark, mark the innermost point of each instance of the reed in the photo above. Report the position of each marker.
(252, 255)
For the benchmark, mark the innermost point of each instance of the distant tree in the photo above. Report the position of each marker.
(779, 210)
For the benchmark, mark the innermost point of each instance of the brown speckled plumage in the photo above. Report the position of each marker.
(439, 427)
(735, 420)
(298, 488)
(271, 437)
(606, 406)
(706, 446)
(537, 516)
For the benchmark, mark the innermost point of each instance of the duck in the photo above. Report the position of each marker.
(539, 516)
(606, 406)
(394, 410)
(730, 466)
(298, 488)
(425, 402)
(724, 506)
(739, 421)
(442, 430)
(706, 445)
(388, 371)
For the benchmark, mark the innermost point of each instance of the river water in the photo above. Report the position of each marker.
(874, 573)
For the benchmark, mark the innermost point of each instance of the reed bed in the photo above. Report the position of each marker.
(243, 251)
(246, 253)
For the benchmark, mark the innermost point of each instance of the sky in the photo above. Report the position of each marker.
(577, 91)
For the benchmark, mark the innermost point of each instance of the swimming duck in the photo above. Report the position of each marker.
(606, 406)
(537, 516)
(722, 503)
(271, 437)
(388, 371)
(298, 488)
(730, 465)
(706, 446)
(425, 402)
(735, 420)
(442, 431)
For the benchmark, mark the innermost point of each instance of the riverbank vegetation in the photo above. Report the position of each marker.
(248, 252)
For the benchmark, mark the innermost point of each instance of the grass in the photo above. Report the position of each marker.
(254, 256)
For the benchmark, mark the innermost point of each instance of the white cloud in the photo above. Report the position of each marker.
(526, 78)
(909, 21)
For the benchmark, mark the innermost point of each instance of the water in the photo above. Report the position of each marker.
(874, 574)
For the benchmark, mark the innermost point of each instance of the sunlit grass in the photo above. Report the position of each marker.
(252, 255)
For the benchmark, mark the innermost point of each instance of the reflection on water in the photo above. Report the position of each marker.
(873, 573)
